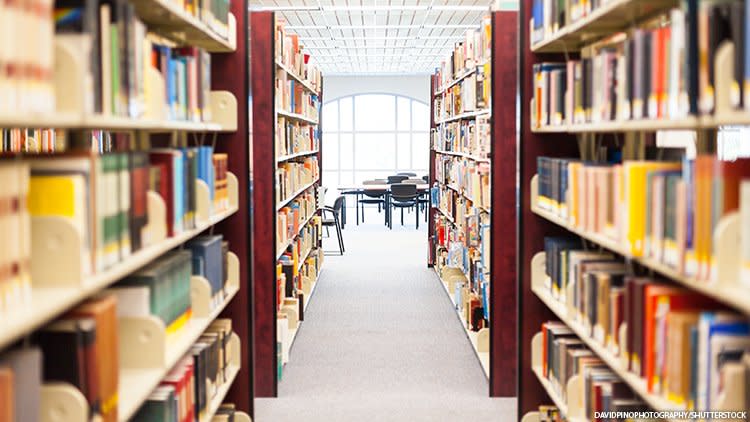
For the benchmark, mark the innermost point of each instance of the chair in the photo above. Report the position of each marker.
(335, 211)
(373, 196)
(396, 179)
(426, 178)
(406, 173)
(404, 195)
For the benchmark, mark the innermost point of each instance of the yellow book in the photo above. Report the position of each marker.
(635, 173)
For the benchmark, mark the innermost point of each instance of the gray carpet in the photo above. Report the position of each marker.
(381, 342)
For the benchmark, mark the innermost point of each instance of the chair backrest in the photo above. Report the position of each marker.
(426, 178)
(404, 191)
(406, 173)
(338, 204)
(396, 179)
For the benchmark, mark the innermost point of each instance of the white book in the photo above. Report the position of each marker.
(132, 301)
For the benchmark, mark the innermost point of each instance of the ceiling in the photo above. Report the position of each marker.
(378, 36)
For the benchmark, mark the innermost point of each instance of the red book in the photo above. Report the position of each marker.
(166, 185)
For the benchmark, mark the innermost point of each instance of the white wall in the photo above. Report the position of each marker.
(414, 86)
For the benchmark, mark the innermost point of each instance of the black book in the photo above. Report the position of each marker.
(691, 52)
(738, 29)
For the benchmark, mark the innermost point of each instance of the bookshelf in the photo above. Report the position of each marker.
(473, 155)
(712, 284)
(286, 168)
(149, 350)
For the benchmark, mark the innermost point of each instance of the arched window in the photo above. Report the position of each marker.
(373, 136)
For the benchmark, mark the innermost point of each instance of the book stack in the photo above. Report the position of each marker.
(294, 217)
(469, 54)
(221, 184)
(20, 384)
(550, 413)
(209, 260)
(470, 137)
(15, 245)
(472, 93)
(302, 246)
(174, 400)
(120, 56)
(663, 211)
(549, 16)
(27, 80)
(661, 69)
(292, 176)
(565, 356)
(291, 54)
(161, 289)
(293, 137)
(680, 342)
(294, 98)
(81, 348)
(33, 141)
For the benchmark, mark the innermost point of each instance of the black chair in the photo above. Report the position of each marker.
(396, 179)
(426, 178)
(374, 197)
(335, 211)
(404, 195)
(406, 173)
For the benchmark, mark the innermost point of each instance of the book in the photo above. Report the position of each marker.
(25, 364)
(208, 261)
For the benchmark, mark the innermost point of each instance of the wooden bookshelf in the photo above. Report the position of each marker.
(266, 65)
(149, 350)
(537, 221)
(491, 345)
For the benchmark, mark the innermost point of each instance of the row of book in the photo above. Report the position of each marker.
(292, 176)
(564, 356)
(104, 197)
(680, 342)
(465, 136)
(469, 177)
(291, 53)
(291, 218)
(471, 94)
(667, 211)
(289, 279)
(35, 141)
(292, 97)
(550, 413)
(117, 55)
(550, 16)
(188, 389)
(474, 50)
(293, 137)
(662, 69)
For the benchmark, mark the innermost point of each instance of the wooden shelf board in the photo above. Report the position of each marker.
(466, 115)
(735, 298)
(173, 21)
(306, 84)
(137, 384)
(608, 18)
(49, 302)
(295, 155)
(295, 116)
(65, 120)
(463, 154)
(292, 197)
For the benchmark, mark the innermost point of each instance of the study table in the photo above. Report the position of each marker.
(358, 190)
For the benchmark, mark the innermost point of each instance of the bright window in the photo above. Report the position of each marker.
(373, 136)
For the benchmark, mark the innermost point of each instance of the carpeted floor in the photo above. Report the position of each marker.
(381, 342)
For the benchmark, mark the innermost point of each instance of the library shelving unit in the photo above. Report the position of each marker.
(700, 104)
(473, 189)
(286, 176)
(147, 349)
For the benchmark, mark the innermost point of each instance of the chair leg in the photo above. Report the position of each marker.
(340, 238)
(328, 234)
(417, 215)
(402, 216)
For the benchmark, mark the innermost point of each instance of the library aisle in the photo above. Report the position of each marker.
(381, 339)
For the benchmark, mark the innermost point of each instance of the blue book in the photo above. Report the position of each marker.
(485, 286)
(206, 167)
(207, 249)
